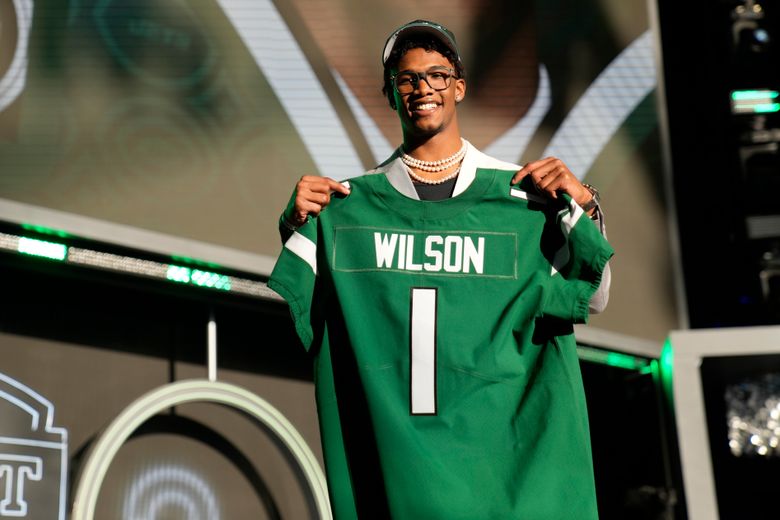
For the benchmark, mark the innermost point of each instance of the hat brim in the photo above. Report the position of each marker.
(413, 29)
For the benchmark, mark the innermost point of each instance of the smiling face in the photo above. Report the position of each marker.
(426, 112)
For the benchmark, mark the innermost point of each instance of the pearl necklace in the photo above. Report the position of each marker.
(435, 181)
(435, 166)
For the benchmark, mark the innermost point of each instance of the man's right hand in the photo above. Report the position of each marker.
(312, 195)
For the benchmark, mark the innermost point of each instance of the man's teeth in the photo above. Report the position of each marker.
(426, 106)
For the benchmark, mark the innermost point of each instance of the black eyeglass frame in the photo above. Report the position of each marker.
(419, 76)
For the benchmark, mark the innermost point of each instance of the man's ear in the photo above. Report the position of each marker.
(460, 89)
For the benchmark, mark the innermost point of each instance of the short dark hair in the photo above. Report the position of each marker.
(428, 43)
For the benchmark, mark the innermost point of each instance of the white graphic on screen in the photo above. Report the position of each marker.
(13, 79)
(167, 490)
(377, 142)
(15, 470)
(604, 106)
(33, 454)
(292, 78)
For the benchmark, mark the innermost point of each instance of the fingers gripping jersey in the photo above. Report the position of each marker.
(447, 379)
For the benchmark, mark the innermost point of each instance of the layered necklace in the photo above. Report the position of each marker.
(434, 166)
(435, 181)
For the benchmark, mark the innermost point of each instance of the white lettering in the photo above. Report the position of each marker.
(401, 253)
(410, 265)
(430, 252)
(16, 470)
(474, 256)
(453, 260)
(452, 253)
(385, 249)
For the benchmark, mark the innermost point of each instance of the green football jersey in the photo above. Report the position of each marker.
(447, 380)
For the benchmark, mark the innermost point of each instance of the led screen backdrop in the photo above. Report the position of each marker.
(195, 118)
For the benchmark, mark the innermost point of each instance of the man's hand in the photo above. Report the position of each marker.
(312, 195)
(551, 176)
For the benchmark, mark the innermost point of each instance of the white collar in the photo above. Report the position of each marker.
(395, 170)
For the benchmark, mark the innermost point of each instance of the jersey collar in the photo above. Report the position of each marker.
(395, 170)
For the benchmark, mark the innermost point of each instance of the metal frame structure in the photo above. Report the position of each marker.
(197, 390)
(689, 348)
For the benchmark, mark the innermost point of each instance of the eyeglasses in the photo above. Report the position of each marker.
(407, 82)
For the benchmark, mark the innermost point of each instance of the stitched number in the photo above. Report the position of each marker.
(422, 340)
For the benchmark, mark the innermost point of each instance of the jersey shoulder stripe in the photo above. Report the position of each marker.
(486, 162)
(520, 194)
(304, 248)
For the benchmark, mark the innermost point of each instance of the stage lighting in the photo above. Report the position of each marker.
(756, 101)
(753, 414)
(747, 30)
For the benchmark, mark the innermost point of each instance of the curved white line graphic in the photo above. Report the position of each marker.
(380, 147)
(607, 102)
(47, 408)
(172, 485)
(511, 145)
(197, 390)
(12, 84)
(35, 416)
(297, 88)
(45, 403)
(174, 498)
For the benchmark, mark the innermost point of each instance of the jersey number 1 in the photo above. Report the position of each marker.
(422, 341)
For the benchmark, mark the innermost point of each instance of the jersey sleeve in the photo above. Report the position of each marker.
(600, 298)
(285, 231)
(577, 266)
(295, 278)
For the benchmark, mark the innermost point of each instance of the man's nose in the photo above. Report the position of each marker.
(422, 85)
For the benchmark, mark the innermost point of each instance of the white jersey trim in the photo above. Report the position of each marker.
(569, 219)
(398, 175)
(520, 194)
(304, 248)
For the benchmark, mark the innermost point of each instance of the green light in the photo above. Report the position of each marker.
(612, 359)
(45, 230)
(667, 359)
(743, 95)
(665, 369)
(764, 108)
(615, 359)
(651, 369)
(208, 279)
(179, 274)
(758, 108)
(754, 101)
(193, 261)
(52, 250)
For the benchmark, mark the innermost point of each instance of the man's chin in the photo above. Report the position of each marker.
(426, 129)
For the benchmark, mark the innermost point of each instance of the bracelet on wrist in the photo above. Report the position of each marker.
(593, 203)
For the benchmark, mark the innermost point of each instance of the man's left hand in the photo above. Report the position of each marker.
(551, 176)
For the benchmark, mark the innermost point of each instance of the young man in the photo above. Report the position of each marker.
(438, 294)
